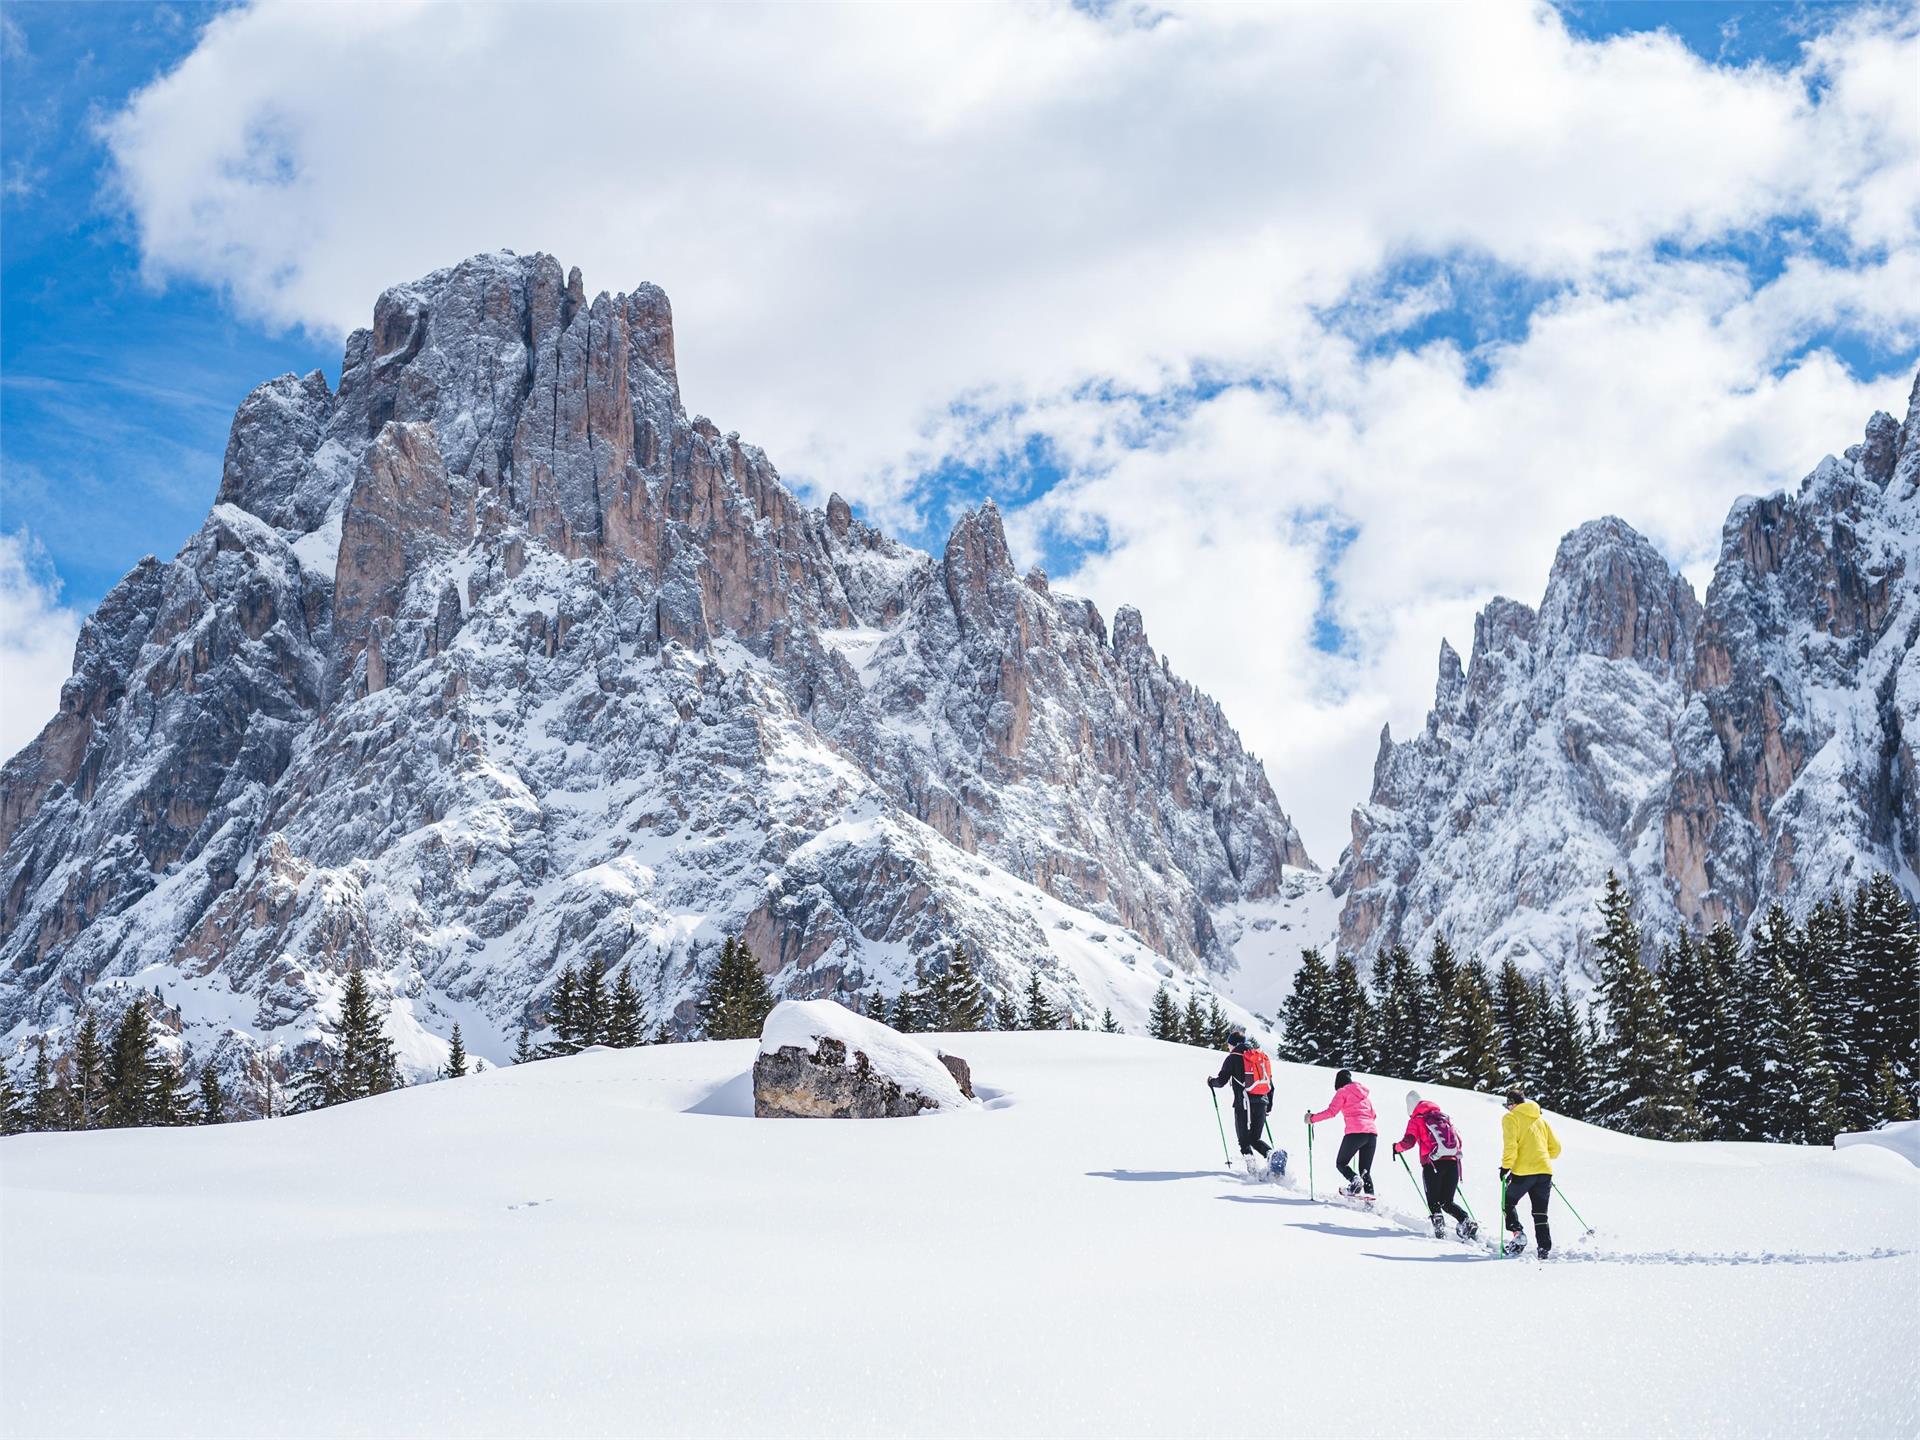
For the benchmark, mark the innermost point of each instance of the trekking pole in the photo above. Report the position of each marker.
(1576, 1214)
(1503, 1215)
(1310, 1194)
(1221, 1126)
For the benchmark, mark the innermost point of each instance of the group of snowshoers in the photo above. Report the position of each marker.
(1528, 1146)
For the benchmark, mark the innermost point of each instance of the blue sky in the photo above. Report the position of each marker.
(921, 321)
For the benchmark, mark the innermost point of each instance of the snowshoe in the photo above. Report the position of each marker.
(1277, 1165)
(1439, 1223)
(1465, 1230)
(1351, 1189)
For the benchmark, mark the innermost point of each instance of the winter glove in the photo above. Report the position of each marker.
(1309, 1116)
(1213, 1082)
(1505, 1175)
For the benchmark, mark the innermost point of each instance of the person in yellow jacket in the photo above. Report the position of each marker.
(1528, 1148)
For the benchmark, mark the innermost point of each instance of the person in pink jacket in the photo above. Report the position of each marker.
(1350, 1102)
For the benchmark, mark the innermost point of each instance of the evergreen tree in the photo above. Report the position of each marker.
(1832, 982)
(49, 1102)
(524, 1051)
(1354, 1033)
(131, 1068)
(590, 1004)
(737, 997)
(1443, 980)
(626, 1022)
(1693, 982)
(1566, 1066)
(16, 1114)
(1471, 1045)
(1007, 1016)
(1308, 1034)
(563, 1013)
(1193, 1022)
(1108, 1025)
(960, 1000)
(1405, 1015)
(169, 1079)
(1163, 1019)
(1517, 1013)
(1040, 1012)
(1886, 953)
(89, 1085)
(1642, 1085)
(213, 1102)
(1218, 1028)
(361, 1060)
(1806, 1103)
(1889, 1100)
(456, 1056)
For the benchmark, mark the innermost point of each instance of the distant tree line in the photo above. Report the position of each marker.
(1808, 1030)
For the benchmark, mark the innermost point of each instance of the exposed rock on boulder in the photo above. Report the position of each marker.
(820, 1061)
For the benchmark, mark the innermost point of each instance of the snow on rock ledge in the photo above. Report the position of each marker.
(818, 1060)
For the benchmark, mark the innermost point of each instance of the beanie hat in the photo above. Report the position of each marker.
(1413, 1101)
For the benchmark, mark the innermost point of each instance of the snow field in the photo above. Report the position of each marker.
(610, 1244)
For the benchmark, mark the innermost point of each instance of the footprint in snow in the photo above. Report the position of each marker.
(529, 1204)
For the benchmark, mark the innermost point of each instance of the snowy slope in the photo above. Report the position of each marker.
(605, 1245)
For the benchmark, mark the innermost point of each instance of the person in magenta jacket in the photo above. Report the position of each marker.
(1441, 1153)
(1350, 1101)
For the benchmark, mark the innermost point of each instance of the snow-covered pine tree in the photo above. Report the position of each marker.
(360, 1062)
(626, 1021)
(1217, 1027)
(563, 1013)
(1831, 978)
(960, 997)
(1516, 1009)
(1806, 1102)
(524, 1051)
(1163, 1020)
(1040, 1012)
(1727, 1092)
(1007, 1016)
(1641, 1083)
(1404, 1014)
(50, 1109)
(1108, 1025)
(1566, 1067)
(131, 1068)
(1886, 949)
(590, 1004)
(1443, 978)
(88, 1087)
(1356, 1036)
(1693, 982)
(16, 1115)
(456, 1056)
(1472, 1044)
(737, 997)
(213, 1101)
(1193, 1022)
(165, 1106)
(1307, 1034)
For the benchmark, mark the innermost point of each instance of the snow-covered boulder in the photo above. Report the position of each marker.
(1902, 1137)
(819, 1060)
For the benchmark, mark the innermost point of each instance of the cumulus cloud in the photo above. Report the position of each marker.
(1153, 239)
(36, 640)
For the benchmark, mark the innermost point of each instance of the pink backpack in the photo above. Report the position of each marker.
(1446, 1140)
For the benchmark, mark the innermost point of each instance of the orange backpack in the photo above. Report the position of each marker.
(1259, 1071)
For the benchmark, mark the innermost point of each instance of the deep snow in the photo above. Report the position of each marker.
(606, 1244)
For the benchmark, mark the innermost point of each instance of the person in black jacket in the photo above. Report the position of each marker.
(1250, 1073)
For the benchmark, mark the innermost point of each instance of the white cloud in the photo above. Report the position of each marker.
(867, 215)
(36, 640)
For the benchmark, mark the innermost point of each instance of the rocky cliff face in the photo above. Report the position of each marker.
(1757, 748)
(494, 659)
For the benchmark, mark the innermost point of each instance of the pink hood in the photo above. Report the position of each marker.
(1351, 1101)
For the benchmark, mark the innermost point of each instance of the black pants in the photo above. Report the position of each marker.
(1249, 1120)
(1361, 1145)
(1538, 1189)
(1443, 1179)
